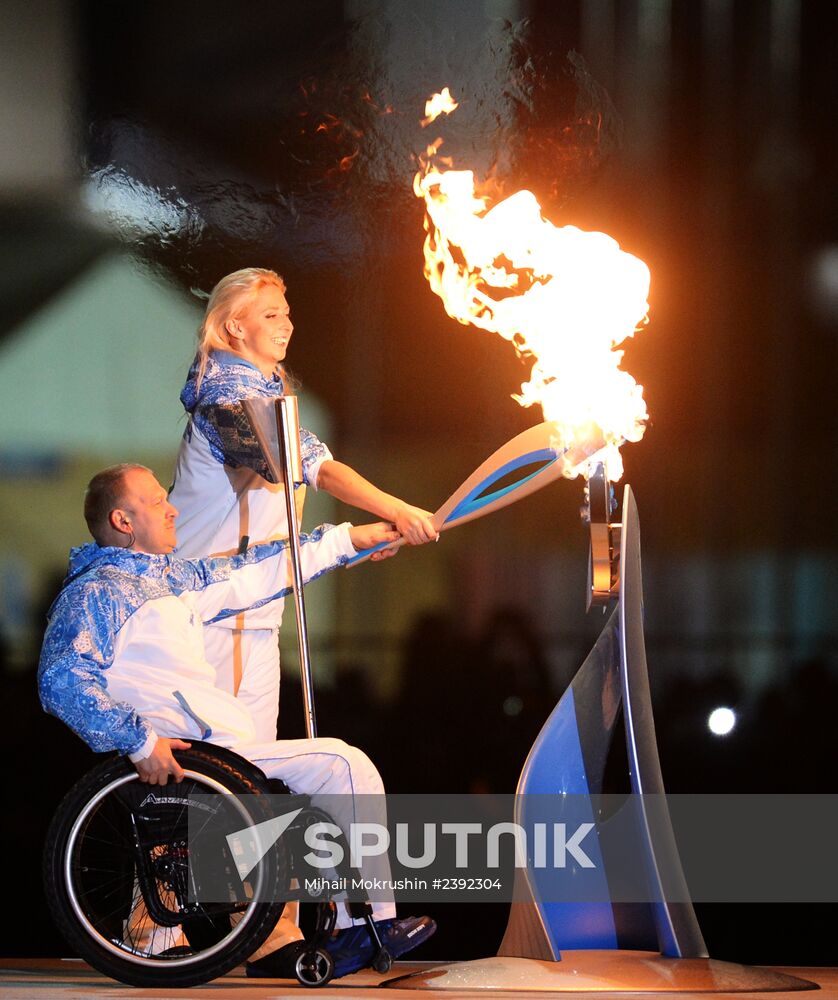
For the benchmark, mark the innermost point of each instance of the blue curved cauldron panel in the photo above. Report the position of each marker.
(568, 758)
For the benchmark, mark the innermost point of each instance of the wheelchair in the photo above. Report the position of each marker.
(120, 864)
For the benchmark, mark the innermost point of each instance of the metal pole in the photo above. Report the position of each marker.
(288, 431)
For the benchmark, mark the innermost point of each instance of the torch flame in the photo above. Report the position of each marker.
(439, 104)
(564, 297)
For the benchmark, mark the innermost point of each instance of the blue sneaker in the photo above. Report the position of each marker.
(352, 948)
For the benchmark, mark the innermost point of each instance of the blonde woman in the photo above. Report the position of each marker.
(220, 489)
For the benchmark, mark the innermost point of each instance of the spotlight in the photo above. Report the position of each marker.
(721, 721)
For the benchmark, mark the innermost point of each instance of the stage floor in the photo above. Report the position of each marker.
(48, 979)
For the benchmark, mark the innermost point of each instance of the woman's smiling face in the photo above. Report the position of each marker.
(261, 330)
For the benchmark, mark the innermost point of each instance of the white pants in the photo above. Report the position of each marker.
(340, 779)
(246, 663)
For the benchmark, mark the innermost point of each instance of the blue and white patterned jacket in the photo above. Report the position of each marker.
(133, 622)
(221, 486)
(213, 407)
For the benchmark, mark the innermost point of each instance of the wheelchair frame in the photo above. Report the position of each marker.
(116, 844)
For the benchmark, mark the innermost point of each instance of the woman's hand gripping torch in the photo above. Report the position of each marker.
(480, 494)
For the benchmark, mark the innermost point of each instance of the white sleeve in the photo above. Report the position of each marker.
(267, 574)
(145, 750)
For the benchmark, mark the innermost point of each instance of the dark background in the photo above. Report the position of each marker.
(700, 135)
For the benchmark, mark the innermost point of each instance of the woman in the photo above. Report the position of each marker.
(225, 502)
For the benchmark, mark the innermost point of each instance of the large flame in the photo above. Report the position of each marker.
(563, 297)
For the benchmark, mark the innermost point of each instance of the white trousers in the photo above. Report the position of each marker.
(340, 779)
(246, 663)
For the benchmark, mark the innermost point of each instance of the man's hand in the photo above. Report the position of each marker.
(160, 763)
(415, 525)
(366, 536)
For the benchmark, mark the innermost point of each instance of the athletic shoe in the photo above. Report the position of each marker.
(279, 964)
(352, 948)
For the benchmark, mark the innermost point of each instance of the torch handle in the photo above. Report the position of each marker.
(288, 431)
(364, 554)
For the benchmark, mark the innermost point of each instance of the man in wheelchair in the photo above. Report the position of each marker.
(123, 666)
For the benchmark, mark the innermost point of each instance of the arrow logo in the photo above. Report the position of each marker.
(250, 844)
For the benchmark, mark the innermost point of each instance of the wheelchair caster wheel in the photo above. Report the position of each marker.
(383, 961)
(314, 968)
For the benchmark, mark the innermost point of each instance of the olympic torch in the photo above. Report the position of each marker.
(524, 464)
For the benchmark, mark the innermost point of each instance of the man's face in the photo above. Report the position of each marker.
(146, 509)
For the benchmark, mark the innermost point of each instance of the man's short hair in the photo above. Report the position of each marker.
(104, 493)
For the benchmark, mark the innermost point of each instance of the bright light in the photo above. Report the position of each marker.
(566, 299)
(721, 721)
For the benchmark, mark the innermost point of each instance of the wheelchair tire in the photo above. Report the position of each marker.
(314, 967)
(94, 886)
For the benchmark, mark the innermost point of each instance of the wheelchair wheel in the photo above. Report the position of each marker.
(120, 860)
(314, 967)
(383, 961)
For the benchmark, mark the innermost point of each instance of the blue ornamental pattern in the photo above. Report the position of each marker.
(214, 407)
(103, 588)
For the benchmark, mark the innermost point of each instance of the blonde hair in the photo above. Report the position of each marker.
(224, 303)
